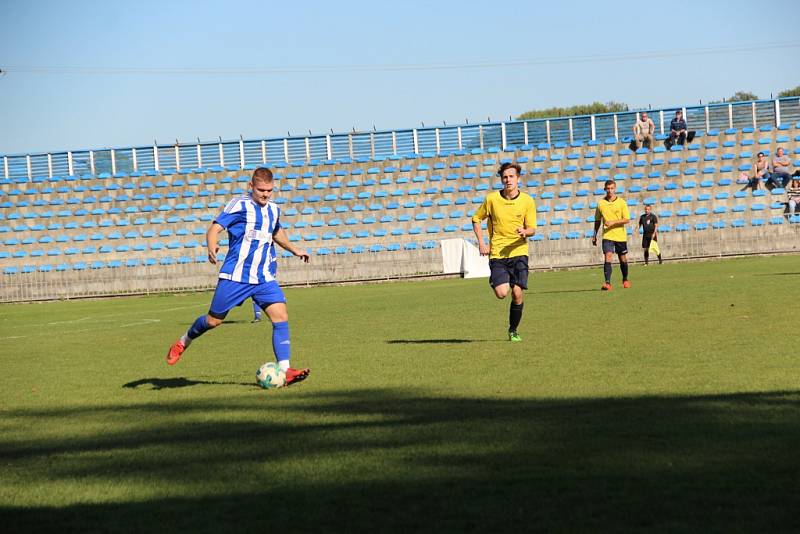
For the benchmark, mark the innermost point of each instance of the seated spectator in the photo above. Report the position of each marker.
(793, 193)
(677, 129)
(760, 172)
(643, 131)
(780, 170)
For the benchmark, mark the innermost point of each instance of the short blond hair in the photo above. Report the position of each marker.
(262, 174)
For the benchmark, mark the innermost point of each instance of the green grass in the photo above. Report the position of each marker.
(671, 406)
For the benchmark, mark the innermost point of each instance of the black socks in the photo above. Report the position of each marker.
(514, 316)
(623, 266)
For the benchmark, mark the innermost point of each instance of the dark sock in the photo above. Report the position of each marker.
(199, 326)
(623, 266)
(514, 316)
(646, 255)
(607, 271)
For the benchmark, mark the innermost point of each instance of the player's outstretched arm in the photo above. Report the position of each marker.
(483, 248)
(596, 228)
(212, 242)
(282, 239)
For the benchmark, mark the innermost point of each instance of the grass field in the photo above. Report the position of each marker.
(671, 406)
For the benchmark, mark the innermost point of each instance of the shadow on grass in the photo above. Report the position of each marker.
(566, 291)
(432, 341)
(403, 460)
(779, 274)
(180, 382)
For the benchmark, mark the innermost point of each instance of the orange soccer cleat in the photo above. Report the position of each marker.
(175, 352)
(606, 287)
(626, 284)
(294, 376)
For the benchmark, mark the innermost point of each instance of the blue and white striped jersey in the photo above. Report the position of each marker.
(251, 257)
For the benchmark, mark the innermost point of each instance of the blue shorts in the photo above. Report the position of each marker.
(619, 247)
(230, 294)
(512, 271)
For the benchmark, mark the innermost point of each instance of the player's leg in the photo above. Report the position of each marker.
(499, 277)
(227, 295)
(271, 298)
(256, 312)
(608, 257)
(646, 247)
(622, 253)
(520, 283)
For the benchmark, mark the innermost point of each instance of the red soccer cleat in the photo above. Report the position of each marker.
(294, 376)
(626, 284)
(606, 287)
(175, 352)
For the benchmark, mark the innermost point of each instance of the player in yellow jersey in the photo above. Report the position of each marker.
(512, 220)
(612, 212)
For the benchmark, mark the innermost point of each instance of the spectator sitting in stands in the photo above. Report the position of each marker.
(677, 129)
(793, 193)
(780, 170)
(760, 172)
(643, 131)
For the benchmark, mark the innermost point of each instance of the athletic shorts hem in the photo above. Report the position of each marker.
(512, 271)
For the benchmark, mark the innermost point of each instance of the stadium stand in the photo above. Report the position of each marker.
(382, 216)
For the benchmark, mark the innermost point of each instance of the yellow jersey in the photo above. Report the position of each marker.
(505, 216)
(614, 210)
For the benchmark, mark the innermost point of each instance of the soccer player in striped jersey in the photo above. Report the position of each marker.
(253, 225)
(512, 220)
(612, 212)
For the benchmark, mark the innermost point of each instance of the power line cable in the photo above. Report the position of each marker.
(521, 63)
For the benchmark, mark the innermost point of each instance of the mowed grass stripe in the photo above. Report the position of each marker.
(670, 406)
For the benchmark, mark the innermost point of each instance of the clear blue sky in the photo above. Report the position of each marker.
(84, 108)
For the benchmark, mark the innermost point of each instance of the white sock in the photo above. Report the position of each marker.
(186, 340)
(283, 365)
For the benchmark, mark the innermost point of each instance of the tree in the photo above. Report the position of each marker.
(738, 96)
(790, 92)
(581, 109)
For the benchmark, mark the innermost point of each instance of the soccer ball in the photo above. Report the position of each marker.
(270, 376)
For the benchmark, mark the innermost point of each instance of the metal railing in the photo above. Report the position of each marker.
(234, 155)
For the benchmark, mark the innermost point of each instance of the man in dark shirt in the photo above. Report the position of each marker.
(677, 129)
(649, 224)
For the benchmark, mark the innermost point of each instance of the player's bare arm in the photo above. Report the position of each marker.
(483, 248)
(212, 242)
(282, 239)
(596, 228)
(526, 232)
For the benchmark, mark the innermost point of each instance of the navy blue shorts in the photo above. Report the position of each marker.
(512, 271)
(230, 294)
(618, 247)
